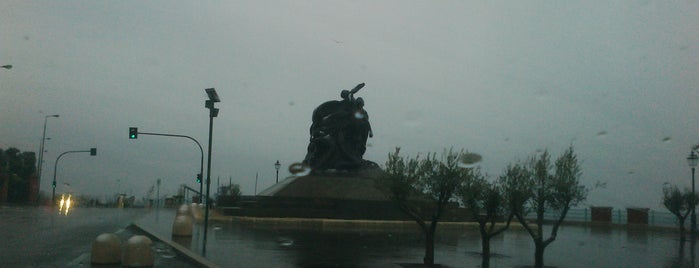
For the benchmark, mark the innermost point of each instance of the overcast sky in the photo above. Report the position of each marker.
(617, 80)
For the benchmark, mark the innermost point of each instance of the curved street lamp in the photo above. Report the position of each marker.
(8, 66)
(92, 151)
(277, 166)
(692, 160)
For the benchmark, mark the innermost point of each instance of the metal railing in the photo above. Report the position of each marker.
(618, 216)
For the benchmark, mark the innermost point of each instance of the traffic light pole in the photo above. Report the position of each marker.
(92, 151)
(201, 163)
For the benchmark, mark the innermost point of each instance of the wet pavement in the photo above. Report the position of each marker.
(38, 237)
(239, 244)
(41, 237)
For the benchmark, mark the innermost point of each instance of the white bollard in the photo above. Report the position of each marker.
(182, 226)
(106, 249)
(137, 252)
(197, 212)
(184, 210)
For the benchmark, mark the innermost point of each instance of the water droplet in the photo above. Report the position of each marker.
(285, 241)
(469, 160)
(299, 169)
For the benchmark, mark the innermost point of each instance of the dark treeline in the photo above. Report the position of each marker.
(16, 171)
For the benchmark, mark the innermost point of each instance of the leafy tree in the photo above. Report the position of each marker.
(17, 167)
(538, 186)
(422, 188)
(680, 204)
(230, 190)
(485, 201)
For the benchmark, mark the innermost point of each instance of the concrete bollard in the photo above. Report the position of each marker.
(197, 212)
(184, 210)
(106, 249)
(182, 226)
(137, 252)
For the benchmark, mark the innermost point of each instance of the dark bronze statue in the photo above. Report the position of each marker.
(339, 133)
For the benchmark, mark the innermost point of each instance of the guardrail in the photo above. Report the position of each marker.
(618, 216)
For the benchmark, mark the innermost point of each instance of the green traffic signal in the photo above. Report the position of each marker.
(198, 178)
(133, 133)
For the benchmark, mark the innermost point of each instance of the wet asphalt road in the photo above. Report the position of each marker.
(40, 237)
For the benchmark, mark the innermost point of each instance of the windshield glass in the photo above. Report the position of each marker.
(504, 82)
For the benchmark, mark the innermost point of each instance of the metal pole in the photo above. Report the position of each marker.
(201, 163)
(41, 152)
(208, 177)
(157, 197)
(40, 162)
(55, 167)
(694, 215)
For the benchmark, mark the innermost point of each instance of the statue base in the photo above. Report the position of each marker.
(339, 195)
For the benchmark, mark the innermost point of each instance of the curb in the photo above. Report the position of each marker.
(190, 255)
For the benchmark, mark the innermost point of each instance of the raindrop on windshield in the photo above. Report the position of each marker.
(299, 170)
(469, 160)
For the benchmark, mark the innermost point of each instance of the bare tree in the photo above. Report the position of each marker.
(533, 187)
(679, 203)
(485, 201)
(422, 188)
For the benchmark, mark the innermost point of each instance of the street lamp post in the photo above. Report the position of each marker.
(692, 160)
(213, 112)
(8, 66)
(92, 151)
(157, 195)
(40, 161)
(277, 166)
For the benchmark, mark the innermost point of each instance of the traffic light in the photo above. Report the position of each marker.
(133, 133)
(198, 178)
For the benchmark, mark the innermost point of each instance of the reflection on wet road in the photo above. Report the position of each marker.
(576, 246)
(40, 237)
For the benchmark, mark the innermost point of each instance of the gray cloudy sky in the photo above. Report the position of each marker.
(618, 80)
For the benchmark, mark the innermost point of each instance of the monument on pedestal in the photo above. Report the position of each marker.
(333, 180)
(334, 166)
(338, 135)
